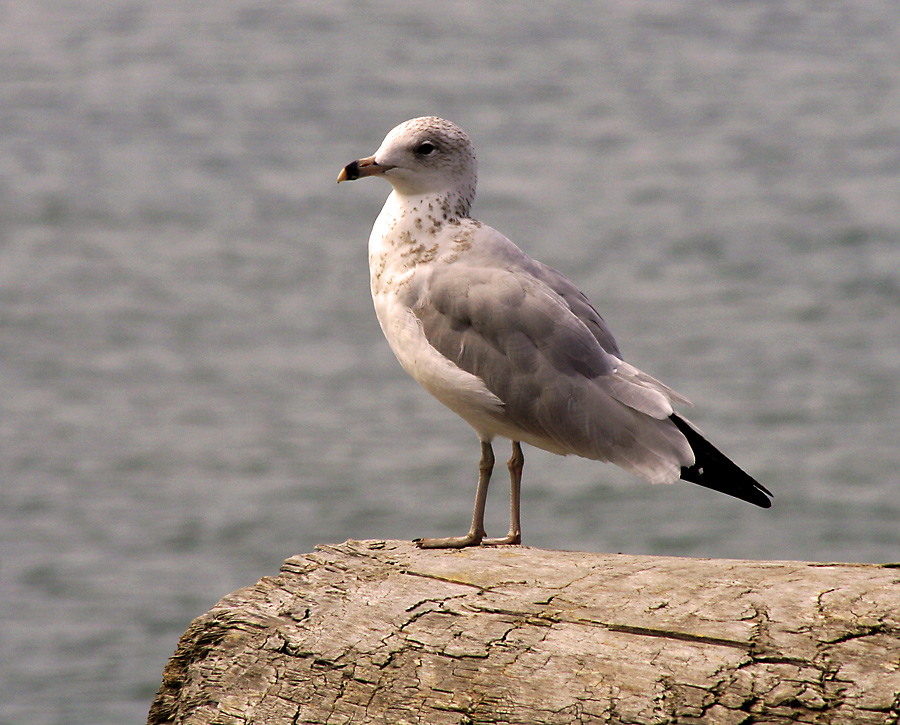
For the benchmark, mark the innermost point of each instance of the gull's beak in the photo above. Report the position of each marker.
(363, 167)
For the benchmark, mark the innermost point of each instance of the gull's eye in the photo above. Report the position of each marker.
(425, 148)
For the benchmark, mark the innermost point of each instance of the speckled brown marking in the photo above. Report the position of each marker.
(413, 251)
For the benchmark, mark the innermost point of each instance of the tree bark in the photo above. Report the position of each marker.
(382, 632)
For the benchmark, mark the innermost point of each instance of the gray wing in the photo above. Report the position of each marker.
(580, 305)
(630, 385)
(497, 323)
(557, 383)
(540, 346)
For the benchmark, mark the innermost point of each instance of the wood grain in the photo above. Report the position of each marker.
(382, 632)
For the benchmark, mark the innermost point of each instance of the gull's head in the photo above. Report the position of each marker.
(422, 156)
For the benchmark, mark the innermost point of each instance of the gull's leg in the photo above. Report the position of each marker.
(515, 464)
(476, 533)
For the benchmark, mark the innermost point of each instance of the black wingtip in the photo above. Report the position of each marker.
(712, 469)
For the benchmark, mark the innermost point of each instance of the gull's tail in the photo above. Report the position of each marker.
(714, 470)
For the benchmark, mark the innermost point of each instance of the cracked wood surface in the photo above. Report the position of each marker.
(383, 632)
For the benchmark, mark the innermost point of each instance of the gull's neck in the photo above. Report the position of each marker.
(406, 218)
(408, 232)
(432, 210)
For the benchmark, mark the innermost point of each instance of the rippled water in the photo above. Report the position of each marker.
(195, 386)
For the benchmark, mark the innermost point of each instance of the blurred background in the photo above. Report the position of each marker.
(194, 385)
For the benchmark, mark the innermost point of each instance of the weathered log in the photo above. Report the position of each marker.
(382, 632)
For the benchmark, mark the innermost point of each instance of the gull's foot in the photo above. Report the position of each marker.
(451, 542)
(511, 539)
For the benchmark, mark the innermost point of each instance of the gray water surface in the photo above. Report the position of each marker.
(194, 383)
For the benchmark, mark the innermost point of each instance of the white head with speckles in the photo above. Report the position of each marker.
(425, 156)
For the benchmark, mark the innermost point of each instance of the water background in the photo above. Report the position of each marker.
(194, 385)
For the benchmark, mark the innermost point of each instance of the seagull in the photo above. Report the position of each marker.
(508, 343)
